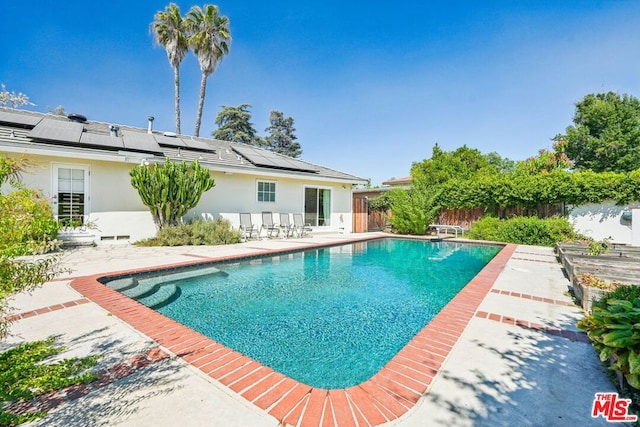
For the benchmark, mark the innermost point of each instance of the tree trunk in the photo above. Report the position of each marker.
(203, 89)
(176, 83)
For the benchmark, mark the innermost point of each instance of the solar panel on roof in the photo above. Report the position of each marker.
(199, 145)
(57, 130)
(101, 140)
(18, 119)
(171, 141)
(272, 160)
(138, 141)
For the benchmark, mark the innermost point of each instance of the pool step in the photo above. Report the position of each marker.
(157, 290)
(123, 284)
(142, 289)
(162, 295)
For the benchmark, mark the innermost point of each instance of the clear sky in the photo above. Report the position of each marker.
(371, 85)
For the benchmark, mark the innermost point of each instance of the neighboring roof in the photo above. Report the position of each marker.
(28, 131)
(398, 181)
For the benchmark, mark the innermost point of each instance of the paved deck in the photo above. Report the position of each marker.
(505, 351)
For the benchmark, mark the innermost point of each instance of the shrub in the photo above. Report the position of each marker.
(523, 230)
(27, 224)
(197, 232)
(611, 329)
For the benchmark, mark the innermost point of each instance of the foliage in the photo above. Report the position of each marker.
(464, 163)
(27, 224)
(58, 111)
(613, 329)
(523, 230)
(25, 374)
(546, 161)
(234, 125)
(598, 247)
(589, 279)
(605, 135)
(198, 232)
(281, 138)
(169, 31)
(12, 99)
(22, 275)
(171, 189)
(209, 39)
(381, 203)
(413, 209)
(621, 292)
(531, 190)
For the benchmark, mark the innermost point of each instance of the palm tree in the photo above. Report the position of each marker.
(169, 31)
(209, 38)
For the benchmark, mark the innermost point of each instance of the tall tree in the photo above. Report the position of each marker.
(281, 138)
(209, 38)
(605, 135)
(234, 125)
(463, 163)
(169, 31)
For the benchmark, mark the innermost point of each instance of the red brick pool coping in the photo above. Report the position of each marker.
(386, 396)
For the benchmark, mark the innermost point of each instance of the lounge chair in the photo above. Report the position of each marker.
(247, 228)
(268, 224)
(301, 228)
(285, 225)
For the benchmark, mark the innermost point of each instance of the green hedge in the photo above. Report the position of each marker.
(531, 190)
(523, 230)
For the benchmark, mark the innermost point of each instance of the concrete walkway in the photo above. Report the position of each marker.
(519, 361)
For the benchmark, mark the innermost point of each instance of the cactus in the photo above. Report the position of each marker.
(171, 189)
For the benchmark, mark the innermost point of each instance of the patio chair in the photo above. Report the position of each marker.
(285, 225)
(268, 224)
(301, 228)
(247, 228)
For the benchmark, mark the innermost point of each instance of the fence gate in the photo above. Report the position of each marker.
(360, 217)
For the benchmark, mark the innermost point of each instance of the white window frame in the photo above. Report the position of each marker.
(275, 190)
(87, 187)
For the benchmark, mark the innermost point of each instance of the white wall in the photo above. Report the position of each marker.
(602, 221)
(118, 215)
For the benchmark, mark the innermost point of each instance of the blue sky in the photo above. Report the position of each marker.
(371, 85)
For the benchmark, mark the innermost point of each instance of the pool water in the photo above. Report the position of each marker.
(329, 317)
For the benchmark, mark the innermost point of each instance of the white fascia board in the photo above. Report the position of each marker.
(267, 173)
(71, 152)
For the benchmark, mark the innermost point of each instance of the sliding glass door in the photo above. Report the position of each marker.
(317, 206)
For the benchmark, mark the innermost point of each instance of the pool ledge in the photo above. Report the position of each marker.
(386, 396)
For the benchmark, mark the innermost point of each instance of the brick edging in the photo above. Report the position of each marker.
(390, 393)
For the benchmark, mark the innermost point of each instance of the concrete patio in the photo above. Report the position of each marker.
(518, 361)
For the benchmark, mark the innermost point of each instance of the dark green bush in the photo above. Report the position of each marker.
(197, 232)
(523, 230)
(622, 292)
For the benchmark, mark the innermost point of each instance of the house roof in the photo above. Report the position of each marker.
(70, 136)
(394, 182)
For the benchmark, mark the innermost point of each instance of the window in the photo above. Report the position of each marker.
(317, 206)
(266, 191)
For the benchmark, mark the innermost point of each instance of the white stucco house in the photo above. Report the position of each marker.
(83, 167)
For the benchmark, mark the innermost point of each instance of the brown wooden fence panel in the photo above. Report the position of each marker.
(360, 220)
(466, 217)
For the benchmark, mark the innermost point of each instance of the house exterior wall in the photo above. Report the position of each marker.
(117, 215)
(602, 221)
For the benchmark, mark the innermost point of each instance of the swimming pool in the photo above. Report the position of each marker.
(330, 317)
